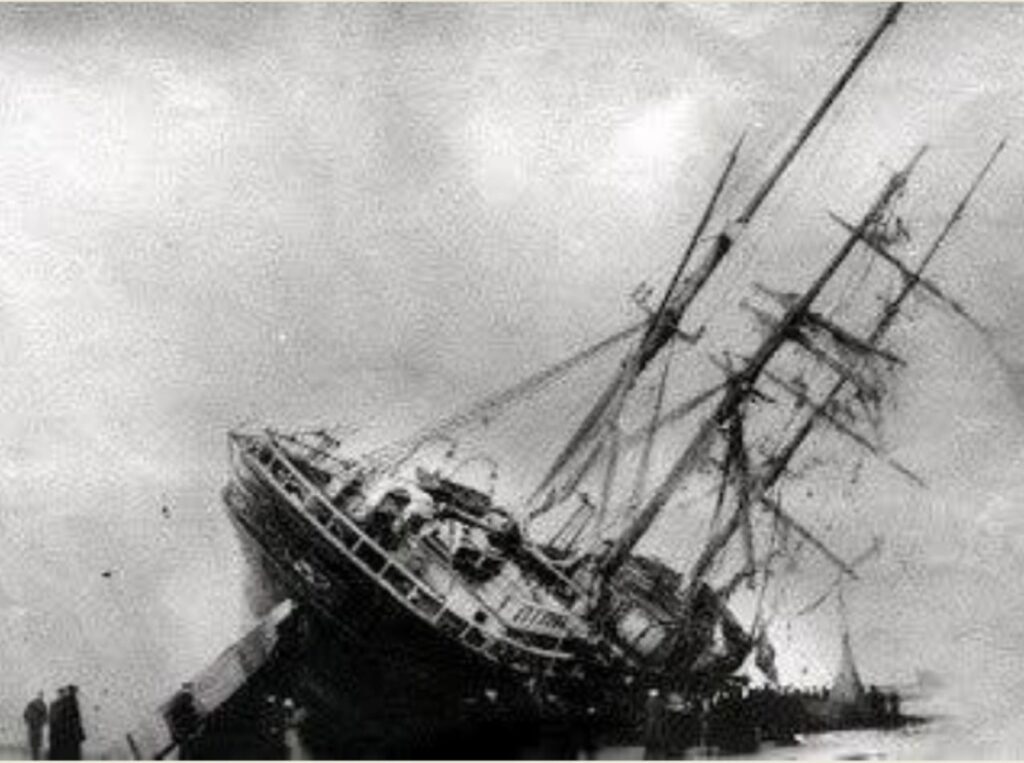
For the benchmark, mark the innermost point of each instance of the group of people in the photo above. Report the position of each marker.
(736, 718)
(64, 719)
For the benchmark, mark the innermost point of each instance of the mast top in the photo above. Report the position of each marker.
(681, 293)
(787, 158)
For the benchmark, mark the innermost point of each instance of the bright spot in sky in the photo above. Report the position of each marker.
(648, 151)
(656, 137)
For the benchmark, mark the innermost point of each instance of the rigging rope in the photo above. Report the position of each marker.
(494, 404)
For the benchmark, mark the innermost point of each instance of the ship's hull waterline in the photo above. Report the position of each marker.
(368, 667)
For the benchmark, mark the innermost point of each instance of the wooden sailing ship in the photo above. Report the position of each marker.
(422, 592)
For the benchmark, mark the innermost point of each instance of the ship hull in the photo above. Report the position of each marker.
(373, 680)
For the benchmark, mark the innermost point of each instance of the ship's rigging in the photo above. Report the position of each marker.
(748, 483)
(734, 445)
(834, 348)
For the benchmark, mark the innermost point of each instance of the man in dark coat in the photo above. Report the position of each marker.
(76, 735)
(58, 726)
(35, 720)
(66, 735)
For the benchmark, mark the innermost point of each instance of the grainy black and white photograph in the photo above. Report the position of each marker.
(512, 381)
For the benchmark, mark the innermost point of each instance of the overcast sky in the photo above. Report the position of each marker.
(372, 214)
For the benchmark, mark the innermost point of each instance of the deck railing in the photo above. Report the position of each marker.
(273, 464)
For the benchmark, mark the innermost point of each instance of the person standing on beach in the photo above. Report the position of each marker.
(35, 720)
(654, 726)
(75, 733)
(58, 726)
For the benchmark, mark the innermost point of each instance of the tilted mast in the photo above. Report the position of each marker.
(609, 405)
(663, 325)
(911, 279)
(742, 383)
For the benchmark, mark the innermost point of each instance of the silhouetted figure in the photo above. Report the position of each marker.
(35, 720)
(73, 719)
(58, 726)
(876, 705)
(894, 709)
(654, 726)
(681, 726)
(588, 738)
(184, 721)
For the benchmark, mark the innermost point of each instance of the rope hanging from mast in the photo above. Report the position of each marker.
(661, 327)
(664, 323)
(391, 456)
(696, 452)
(884, 323)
